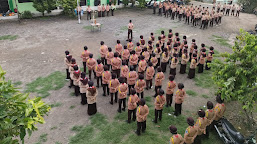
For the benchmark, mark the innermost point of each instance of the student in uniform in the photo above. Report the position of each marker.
(99, 8)
(125, 54)
(103, 10)
(91, 98)
(165, 59)
(106, 77)
(138, 49)
(99, 69)
(83, 85)
(179, 99)
(184, 61)
(193, 64)
(67, 61)
(142, 65)
(130, 45)
(219, 109)
(238, 10)
(142, 113)
(163, 37)
(123, 90)
(91, 63)
(201, 61)
(118, 48)
(159, 104)
(76, 78)
(109, 57)
(124, 70)
(191, 132)
(113, 7)
(130, 29)
(210, 115)
(201, 124)
(149, 75)
(89, 12)
(158, 52)
(158, 80)
(209, 58)
(113, 86)
(142, 42)
(173, 65)
(170, 90)
(176, 138)
(133, 60)
(160, 9)
(154, 7)
(116, 64)
(146, 54)
(85, 57)
(154, 60)
(132, 77)
(132, 105)
(71, 70)
(140, 86)
(103, 52)
(233, 10)
(192, 49)
(228, 9)
(107, 9)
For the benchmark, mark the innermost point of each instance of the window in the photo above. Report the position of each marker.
(24, 1)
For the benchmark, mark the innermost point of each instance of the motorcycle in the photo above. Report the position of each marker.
(229, 135)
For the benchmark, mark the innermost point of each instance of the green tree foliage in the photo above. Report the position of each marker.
(18, 113)
(125, 2)
(236, 75)
(142, 3)
(68, 6)
(44, 5)
(249, 5)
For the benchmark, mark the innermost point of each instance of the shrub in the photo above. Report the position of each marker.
(26, 15)
(68, 6)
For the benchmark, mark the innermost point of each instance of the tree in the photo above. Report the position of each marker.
(141, 3)
(68, 6)
(44, 5)
(18, 113)
(236, 75)
(248, 5)
(125, 2)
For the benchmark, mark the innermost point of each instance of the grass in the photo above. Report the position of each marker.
(55, 104)
(221, 41)
(43, 85)
(42, 138)
(123, 28)
(58, 142)
(191, 93)
(77, 128)
(72, 107)
(72, 94)
(158, 32)
(9, 37)
(17, 83)
(53, 128)
(205, 96)
(204, 80)
(82, 70)
(87, 27)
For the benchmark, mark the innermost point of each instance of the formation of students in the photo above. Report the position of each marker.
(197, 15)
(101, 10)
(130, 75)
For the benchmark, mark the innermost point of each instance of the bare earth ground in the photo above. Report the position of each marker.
(39, 51)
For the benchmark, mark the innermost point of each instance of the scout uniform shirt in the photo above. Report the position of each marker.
(106, 77)
(176, 139)
(103, 8)
(202, 60)
(150, 48)
(133, 59)
(130, 46)
(149, 73)
(123, 90)
(142, 43)
(132, 102)
(85, 55)
(124, 71)
(146, 55)
(116, 63)
(91, 98)
(107, 8)
(173, 63)
(158, 52)
(114, 85)
(142, 112)
(99, 8)
(193, 64)
(142, 65)
(165, 58)
(71, 70)
(154, 60)
(159, 102)
(171, 87)
(67, 63)
(109, 57)
(118, 48)
(103, 50)
(138, 50)
(130, 26)
(159, 78)
(132, 77)
(83, 88)
(210, 115)
(184, 60)
(91, 63)
(99, 69)
(125, 54)
(76, 77)
(209, 57)
(180, 96)
(219, 111)
(201, 123)
(190, 134)
(140, 85)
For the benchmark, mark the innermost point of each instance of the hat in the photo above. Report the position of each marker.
(173, 129)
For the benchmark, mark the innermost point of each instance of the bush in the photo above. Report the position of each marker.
(44, 5)
(68, 6)
(26, 15)
(142, 3)
(187, 2)
(125, 2)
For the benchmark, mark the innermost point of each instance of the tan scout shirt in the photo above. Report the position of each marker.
(83, 88)
(180, 96)
(142, 66)
(91, 98)
(85, 55)
(138, 50)
(132, 102)
(177, 139)
(142, 112)
(130, 46)
(103, 50)
(118, 48)
(154, 60)
(219, 111)
(124, 71)
(116, 63)
(106, 77)
(158, 53)
(67, 63)
(125, 54)
(159, 102)
(210, 115)
(123, 90)
(99, 69)
(190, 134)
(91, 63)
(184, 59)
(109, 57)
(201, 123)
(165, 58)
(173, 64)
(159, 78)
(132, 77)
(149, 73)
(114, 85)
(140, 85)
(133, 60)
(171, 87)
(146, 55)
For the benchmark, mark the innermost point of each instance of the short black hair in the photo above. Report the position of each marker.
(209, 105)
(67, 52)
(180, 86)
(114, 76)
(159, 69)
(109, 49)
(85, 48)
(130, 21)
(116, 54)
(106, 68)
(141, 76)
(99, 61)
(91, 55)
(142, 102)
(118, 41)
(102, 42)
(171, 78)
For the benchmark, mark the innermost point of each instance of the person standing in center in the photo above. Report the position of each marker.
(99, 69)
(142, 113)
(118, 48)
(130, 29)
(106, 77)
(91, 63)
(124, 70)
(132, 105)
(170, 90)
(109, 57)
(179, 99)
(132, 77)
(158, 80)
(114, 86)
(85, 57)
(133, 60)
(116, 64)
(140, 86)
(159, 103)
(91, 98)
(142, 65)
(123, 90)
(149, 75)
(125, 54)
(103, 51)
(191, 132)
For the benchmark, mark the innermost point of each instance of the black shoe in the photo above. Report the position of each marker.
(104, 94)
(124, 109)
(128, 121)
(143, 131)
(137, 133)
(154, 121)
(69, 86)
(111, 103)
(119, 111)
(83, 103)
(97, 86)
(166, 105)
(147, 88)
(115, 101)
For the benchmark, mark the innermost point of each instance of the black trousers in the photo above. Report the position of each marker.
(90, 72)
(130, 112)
(88, 15)
(122, 101)
(76, 90)
(159, 62)
(237, 13)
(163, 66)
(149, 82)
(169, 98)
(116, 97)
(71, 83)
(83, 98)
(105, 87)
(130, 32)
(206, 65)
(156, 90)
(99, 13)
(200, 68)
(107, 13)
(97, 80)
(112, 12)
(117, 72)
(233, 12)
(173, 15)
(103, 13)
(178, 108)
(104, 60)
(142, 94)
(67, 74)
(141, 126)
(130, 86)
(85, 66)
(158, 114)
(160, 11)
(154, 10)
(227, 12)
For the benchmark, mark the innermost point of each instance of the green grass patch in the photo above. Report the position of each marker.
(205, 96)
(53, 128)
(123, 28)
(72, 107)
(158, 32)
(43, 85)
(204, 80)
(191, 93)
(221, 41)
(87, 27)
(77, 128)
(17, 83)
(55, 104)
(9, 37)
(58, 142)
(82, 69)
(42, 138)
(72, 94)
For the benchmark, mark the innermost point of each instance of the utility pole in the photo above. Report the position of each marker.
(78, 11)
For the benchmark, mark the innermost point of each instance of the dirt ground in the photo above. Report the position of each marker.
(39, 51)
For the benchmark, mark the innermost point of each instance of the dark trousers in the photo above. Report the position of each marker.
(116, 97)
(160, 11)
(88, 15)
(104, 60)
(83, 98)
(122, 101)
(158, 114)
(90, 72)
(105, 87)
(130, 86)
(135, 67)
(103, 13)
(154, 10)
(159, 62)
(130, 32)
(67, 74)
(117, 72)
(202, 24)
(149, 82)
(130, 112)
(163, 66)
(99, 13)
(233, 12)
(142, 94)
(200, 68)
(141, 126)
(112, 12)
(107, 13)
(97, 80)
(76, 90)
(187, 20)
(227, 12)
(156, 90)
(169, 98)
(173, 15)
(237, 13)
(71, 83)
(85, 66)
(178, 108)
